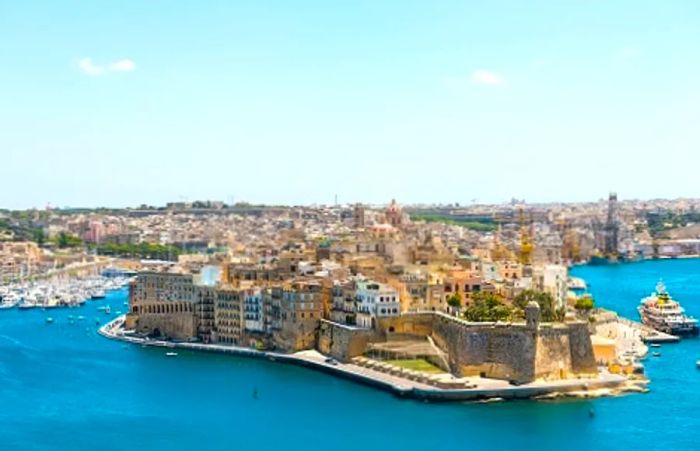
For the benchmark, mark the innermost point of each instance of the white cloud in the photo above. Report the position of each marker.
(125, 65)
(95, 70)
(485, 77)
(89, 68)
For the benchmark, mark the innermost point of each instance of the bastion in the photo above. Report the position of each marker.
(516, 352)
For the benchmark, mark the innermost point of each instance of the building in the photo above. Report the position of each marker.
(228, 316)
(553, 280)
(299, 311)
(375, 300)
(253, 310)
(343, 303)
(163, 304)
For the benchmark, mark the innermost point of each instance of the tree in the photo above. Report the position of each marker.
(488, 307)
(546, 302)
(38, 236)
(454, 300)
(584, 303)
(64, 240)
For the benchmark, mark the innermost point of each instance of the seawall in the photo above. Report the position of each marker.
(403, 388)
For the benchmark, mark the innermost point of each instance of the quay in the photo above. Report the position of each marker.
(476, 388)
(633, 330)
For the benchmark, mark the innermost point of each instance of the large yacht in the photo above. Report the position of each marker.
(659, 311)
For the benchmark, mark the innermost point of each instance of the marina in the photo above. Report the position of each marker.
(59, 292)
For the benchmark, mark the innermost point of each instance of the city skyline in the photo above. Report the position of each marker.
(120, 105)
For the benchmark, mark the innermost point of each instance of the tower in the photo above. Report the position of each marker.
(611, 227)
(359, 216)
(526, 246)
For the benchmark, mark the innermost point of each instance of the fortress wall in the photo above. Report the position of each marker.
(581, 349)
(513, 352)
(343, 342)
(495, 351)
(179, 326)
(553, 358)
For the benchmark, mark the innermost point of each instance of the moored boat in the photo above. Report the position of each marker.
(659, 311)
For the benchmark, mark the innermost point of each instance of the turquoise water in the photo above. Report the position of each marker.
(63, 387)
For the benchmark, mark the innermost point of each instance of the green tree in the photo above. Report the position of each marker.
(584, 303)
(454, 300)
(64, 240)
(548, 308)
(488, 307)
(38, 236)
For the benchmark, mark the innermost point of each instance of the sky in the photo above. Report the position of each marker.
(107, 103)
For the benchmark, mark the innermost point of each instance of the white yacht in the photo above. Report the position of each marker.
(659, 311)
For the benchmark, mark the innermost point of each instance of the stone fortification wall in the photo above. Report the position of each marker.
(499, 351)
(582, 357)
(514, 352)
(553, 357)
(178, 326)
(344, 342)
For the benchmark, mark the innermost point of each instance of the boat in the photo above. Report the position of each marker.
(659, 311)
(98, 294)
(171, 354)
(49, 320)
(108, 310)
(656, 354)
(655, 345)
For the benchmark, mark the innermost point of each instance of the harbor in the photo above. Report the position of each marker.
(58, 292)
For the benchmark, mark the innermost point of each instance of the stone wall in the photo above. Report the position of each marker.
(345, 342)
(582, 357)
(178, 326)
(495, 350)
(515, 352)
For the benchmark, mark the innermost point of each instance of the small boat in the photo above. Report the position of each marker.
(655, 345)
(656, 354)
(171, 354)
(108, 310)
(49, 320)
(81, 317)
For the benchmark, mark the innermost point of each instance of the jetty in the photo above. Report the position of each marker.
(435, 389)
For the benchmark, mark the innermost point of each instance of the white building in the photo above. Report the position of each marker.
(554, 281)
(253, 310)
(375, 300)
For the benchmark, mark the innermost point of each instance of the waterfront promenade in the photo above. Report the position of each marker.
(479, 388)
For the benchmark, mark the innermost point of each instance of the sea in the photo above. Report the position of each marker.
(64, 387)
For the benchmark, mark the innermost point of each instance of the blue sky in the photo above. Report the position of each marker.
(122, 103)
